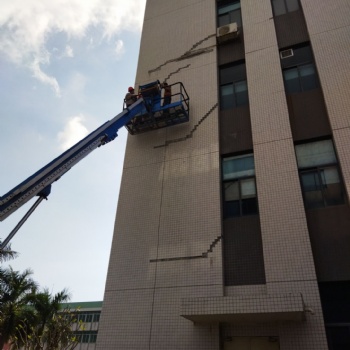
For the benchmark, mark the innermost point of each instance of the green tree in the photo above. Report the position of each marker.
(7, 253)
(16, 292)
(51, 328)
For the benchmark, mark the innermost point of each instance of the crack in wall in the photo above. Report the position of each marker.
(175, 72)
(202, 256)
(188, 136)
(188, 54)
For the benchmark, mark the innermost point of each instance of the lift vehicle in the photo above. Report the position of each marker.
(146, 114)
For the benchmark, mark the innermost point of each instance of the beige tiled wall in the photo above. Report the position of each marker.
(169, 205)
(288, 257)
(329, 28)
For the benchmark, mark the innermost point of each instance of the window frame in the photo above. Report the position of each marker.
(318, 169)
(239, 181)
(229, 13)
(241, 78)
(285, 4)
(298, 67)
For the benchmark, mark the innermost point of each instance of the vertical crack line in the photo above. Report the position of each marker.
(157, 252)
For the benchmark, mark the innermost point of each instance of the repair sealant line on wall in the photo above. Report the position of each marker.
(188, 136)
(158, 238)
(203, 255)
(188, 54)
(175, 72)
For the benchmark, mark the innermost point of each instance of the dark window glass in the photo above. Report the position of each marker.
(300, 78)
(280, 7)
(319, 175)
(93, 338)
(239, 186)
(233, 86)
(335, 299)
(299, 71)
(230, 13)
(96, 318)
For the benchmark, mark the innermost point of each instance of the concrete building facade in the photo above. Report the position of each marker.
(233, 230)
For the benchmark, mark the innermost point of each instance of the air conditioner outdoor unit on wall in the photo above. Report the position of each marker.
(227, 32)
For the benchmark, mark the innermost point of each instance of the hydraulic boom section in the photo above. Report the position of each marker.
(43, 178)
(152, 110)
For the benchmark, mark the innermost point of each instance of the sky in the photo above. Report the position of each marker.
(65, 66)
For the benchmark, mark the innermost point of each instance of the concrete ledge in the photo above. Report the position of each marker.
(244, 309)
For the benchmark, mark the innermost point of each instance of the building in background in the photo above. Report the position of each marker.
(233, 230)
(88, 315)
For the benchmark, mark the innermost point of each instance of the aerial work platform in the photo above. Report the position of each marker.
(154, 109)
(160, 111)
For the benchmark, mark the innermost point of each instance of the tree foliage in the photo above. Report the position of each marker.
(31, 319)
(7, 253)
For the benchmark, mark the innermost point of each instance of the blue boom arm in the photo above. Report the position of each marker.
(39, 184)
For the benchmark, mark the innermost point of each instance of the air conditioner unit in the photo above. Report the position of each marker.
(227, 32)
(286, 53)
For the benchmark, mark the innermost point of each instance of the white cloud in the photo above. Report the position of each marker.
(68, 52)
(119, 49)
(73, 132)
(25, 28)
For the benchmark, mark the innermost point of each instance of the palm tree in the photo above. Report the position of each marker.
(7, 253)
(49, 327)
(16, 292)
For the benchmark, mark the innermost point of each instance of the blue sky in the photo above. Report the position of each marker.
(65, 66)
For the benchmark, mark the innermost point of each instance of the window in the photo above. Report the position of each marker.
(87, 317)
(319, 174)
(229, 12)
(280, 7)
(299, 71)
(239, 190)
(86, 336)
(233, 86)
(300, 78)
(96, 317)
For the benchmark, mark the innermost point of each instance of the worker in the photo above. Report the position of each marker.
(167, 93)
(130, 97)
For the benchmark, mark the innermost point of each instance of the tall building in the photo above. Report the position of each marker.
(233, 230)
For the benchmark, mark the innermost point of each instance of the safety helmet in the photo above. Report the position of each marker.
(131, 89)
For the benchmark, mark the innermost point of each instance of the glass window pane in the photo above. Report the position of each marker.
(312, 189)
(292, 5)
(236, 17)
(291, 80)
(249, 206)
(226, 97)
(231, 191)
(279, 7)
(229, 8)
(231, 209)
(310, 181)
(332, 192)
(315, 153)
(241, 92)
(308, 77)
(248, 189)
(236, 167)
(223, 19)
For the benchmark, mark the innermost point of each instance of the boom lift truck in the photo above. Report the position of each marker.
(146, 114)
